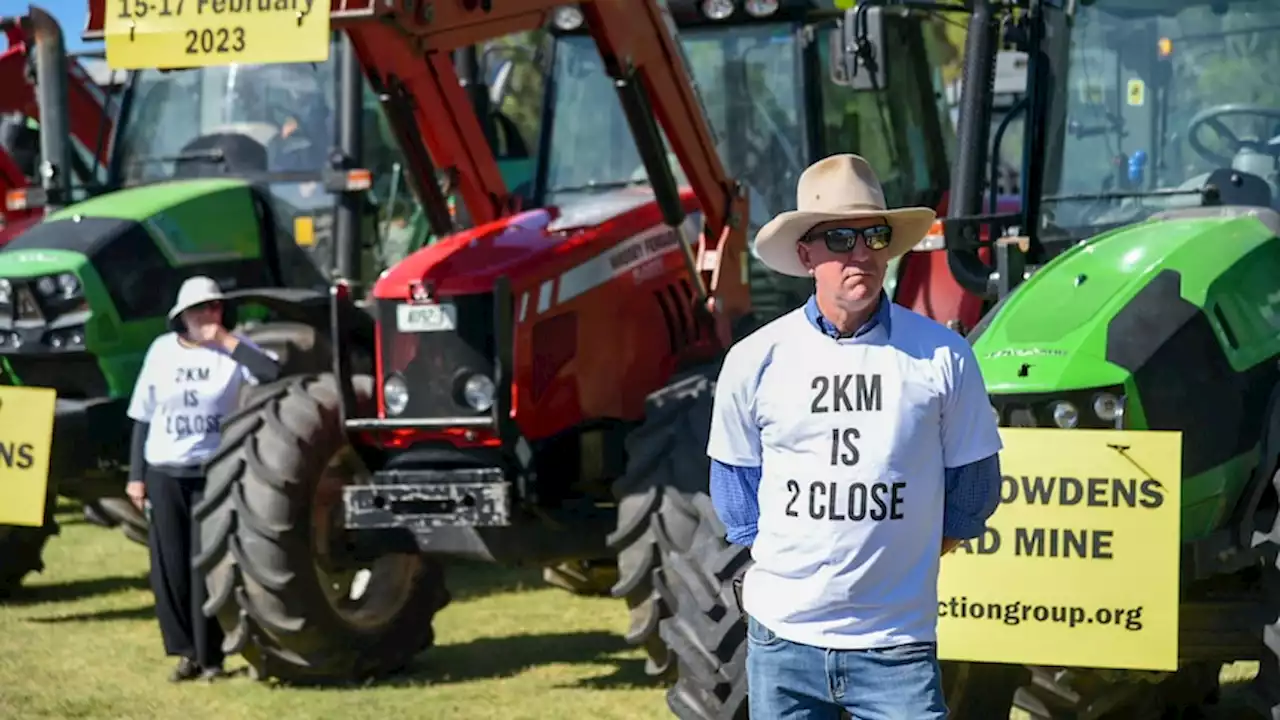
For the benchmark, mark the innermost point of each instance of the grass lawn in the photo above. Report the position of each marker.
(82, 643)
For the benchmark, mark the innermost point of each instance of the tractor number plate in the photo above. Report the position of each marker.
(426, 318)
(424, 499)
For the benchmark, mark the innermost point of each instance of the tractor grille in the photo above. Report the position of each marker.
(1036, 410)
(435, 364)
(75, 376)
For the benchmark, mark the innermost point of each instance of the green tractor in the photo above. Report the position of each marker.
(1137, 290)
(223, 171)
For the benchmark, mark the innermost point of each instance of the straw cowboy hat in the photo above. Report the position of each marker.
(194, 291)
(839, 187)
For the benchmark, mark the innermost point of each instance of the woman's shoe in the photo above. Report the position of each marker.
(186, 669)
(212, 673)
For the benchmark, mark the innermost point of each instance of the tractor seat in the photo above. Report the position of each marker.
(1240, 188)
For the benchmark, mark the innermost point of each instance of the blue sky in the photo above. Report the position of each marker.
(70, 14)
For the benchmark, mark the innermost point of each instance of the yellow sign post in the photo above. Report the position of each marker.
(1079, 565)
(171, 34)
(26, 439)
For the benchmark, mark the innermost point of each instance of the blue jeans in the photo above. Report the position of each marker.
(790, 680)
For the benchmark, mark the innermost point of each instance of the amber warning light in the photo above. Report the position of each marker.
(24, 199)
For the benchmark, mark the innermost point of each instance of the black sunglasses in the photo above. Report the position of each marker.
(844, 239)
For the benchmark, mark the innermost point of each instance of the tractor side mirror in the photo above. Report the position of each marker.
(857, 50)
(499, 82)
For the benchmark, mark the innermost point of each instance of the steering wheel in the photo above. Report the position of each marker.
(1211, 116)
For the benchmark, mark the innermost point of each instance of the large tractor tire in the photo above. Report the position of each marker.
(21, 551)
(667, 466)
(122, 513)
(981, 691)
(22, 547)
(590, 578)
(1063, 694)
(705, 629)
(94, 514)
(270, 549)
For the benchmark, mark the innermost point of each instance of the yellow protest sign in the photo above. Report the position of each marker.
(1079, 565)
(194, 33)
(26, 438)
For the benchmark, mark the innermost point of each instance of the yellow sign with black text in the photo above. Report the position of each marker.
(1079, 564)
(26, 439)
(168, 34)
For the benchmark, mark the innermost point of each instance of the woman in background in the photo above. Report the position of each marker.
(190, 380)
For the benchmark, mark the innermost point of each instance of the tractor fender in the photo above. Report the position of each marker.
(1244, 517)
(307, 306)
(299, 348)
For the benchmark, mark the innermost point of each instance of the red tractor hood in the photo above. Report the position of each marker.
(472, 260)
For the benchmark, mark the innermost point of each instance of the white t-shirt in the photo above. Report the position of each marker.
(851, 436)
(184, 393)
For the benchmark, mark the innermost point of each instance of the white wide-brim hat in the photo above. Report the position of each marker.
(839, 187)
(194, 291)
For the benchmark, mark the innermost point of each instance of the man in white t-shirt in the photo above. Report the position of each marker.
(852, 445)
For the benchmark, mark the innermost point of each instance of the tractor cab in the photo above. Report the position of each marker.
(1164, 106)
(275, 125)
(771, 84)
(272, 123)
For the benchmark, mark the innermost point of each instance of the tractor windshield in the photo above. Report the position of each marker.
(233, 120)
(750, 83)
(275, 125)
(1157, 96)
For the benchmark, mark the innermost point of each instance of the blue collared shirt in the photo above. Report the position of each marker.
(972, 491)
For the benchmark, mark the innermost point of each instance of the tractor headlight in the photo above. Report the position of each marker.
(69, 285)
(717, 9)
(478, 392)
(761, 8)
(1065, 415)
(567, 18)
(395, 393)
(6, 292)
(1107, 407)
(66, 338)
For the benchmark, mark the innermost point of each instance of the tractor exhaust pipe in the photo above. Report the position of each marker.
(53, 101)
(973, 137)
(347, 225)
(346, 272)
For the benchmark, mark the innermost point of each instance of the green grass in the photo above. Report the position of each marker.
(82, 642)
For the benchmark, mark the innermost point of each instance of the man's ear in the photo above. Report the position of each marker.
(802, 252)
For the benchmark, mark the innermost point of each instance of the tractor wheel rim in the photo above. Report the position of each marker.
(366, 598)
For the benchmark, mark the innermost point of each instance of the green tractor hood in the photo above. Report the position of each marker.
(87, 289)
(1169, 324)
(1066, 326)
(31, 262)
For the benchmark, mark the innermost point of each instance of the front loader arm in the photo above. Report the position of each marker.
(638, 45)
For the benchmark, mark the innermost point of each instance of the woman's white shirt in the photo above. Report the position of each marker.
(184, 393)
